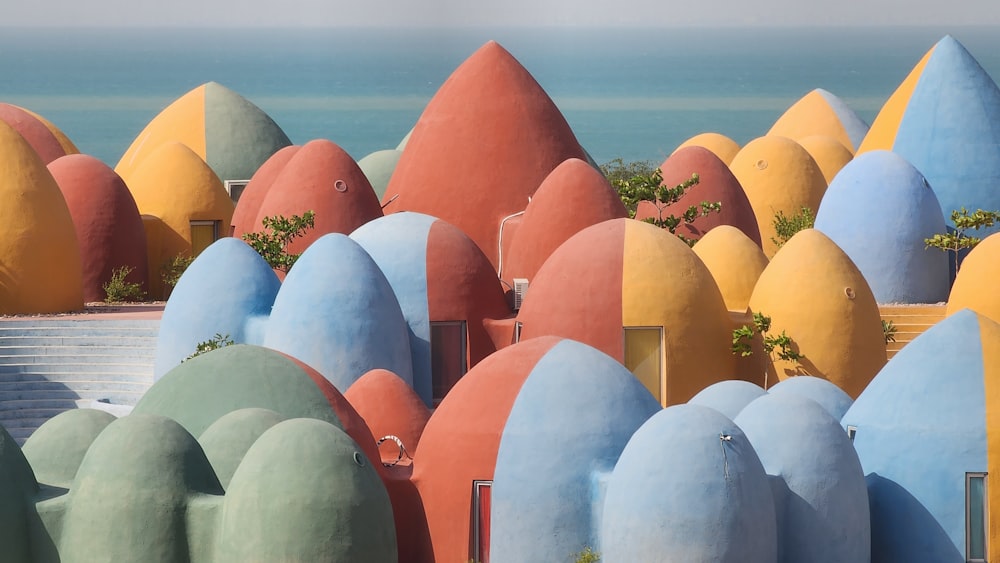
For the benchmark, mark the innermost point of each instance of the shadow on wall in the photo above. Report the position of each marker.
(902, 528)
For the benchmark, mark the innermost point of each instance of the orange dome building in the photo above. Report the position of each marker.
(821, 113)
(778, 175)
(720, 145)
(814, 292)
(975, 284)
(223, 128)
(108, 226)
(39, 255)
(640, 295)
(735, 261)
(184, 206)
(830, 155)
(483, 145)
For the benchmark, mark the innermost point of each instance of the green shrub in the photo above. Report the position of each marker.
(214, 343)
(588, 555)
(888, 331)
(172, 270)
(956, 240)
(786, 227)
(279, 231)
(117, 290)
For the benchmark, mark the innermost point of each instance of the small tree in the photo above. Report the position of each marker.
(777, 347)
(272, 242)
(117, 290)
(214, 343)
(172, 270)
(956, 240)
(786, 227)
(648, 186)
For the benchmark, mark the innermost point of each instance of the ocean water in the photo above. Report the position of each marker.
(629, 93)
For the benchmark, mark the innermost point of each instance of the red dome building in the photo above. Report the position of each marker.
(108, 226)
(482, 146)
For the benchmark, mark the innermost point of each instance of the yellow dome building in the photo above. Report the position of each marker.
(815, 293)
(184, 206)
(720, 145)
(39, 256)
(975, 284)
(735, 262)
(828, 153)
(821, 113)
(778, 175)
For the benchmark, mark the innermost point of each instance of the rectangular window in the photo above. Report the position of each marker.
(203, 234)
(517, 331)
(448, 362)
(481, 493)
(852, 431)
(643, 350)
(235, 188)
(976, 518)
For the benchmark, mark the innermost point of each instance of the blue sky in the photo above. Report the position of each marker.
(395, 13)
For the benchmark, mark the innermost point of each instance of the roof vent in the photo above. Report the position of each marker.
(520, 290)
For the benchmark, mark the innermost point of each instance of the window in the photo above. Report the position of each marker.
(481, 493)
(203, 234)
(517, 331)
(852, 431)
(447, 356)
(235, 188)
(976, 518)
(643, 346)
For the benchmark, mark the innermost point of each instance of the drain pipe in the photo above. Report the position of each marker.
(500, 240)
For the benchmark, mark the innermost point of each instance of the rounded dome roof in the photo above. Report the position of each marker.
(830, 155)
(248, 207)
(778, 175)
(829, 396)
(571, 198)
(246, 377)
(438, 274)
(461, 441)
(223, 128)
(548, 426)
(612, 275)
(716, 184)
(321, 177)
(39, 133)
(728, 397)
(813, 292)
(823, 505)
(108, 227)
(38, 244)
(821, 113)
(927, 419)
(735, 263)
(490, 121)
(389, 407)
(305, 492)
(890, 253)
(712, 499)
(975, 284)
(229, 438)
(56, 449)
(207, 285)
(337, 312)
(941, 120)
(720, 145)
(137, 476)
(378, 168)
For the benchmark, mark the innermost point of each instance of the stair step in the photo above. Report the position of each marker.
(43, 385)
(15, 408)
(116, 396)
(32, 418)
(78, 340)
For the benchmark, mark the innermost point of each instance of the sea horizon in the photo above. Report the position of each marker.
(628, 92)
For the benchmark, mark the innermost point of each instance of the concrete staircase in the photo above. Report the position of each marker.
(49, 365)
(910, 321)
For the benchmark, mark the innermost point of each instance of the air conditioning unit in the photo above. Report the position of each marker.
(235, 188)
(520, 290)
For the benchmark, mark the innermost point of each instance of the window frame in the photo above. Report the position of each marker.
(969, 477)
